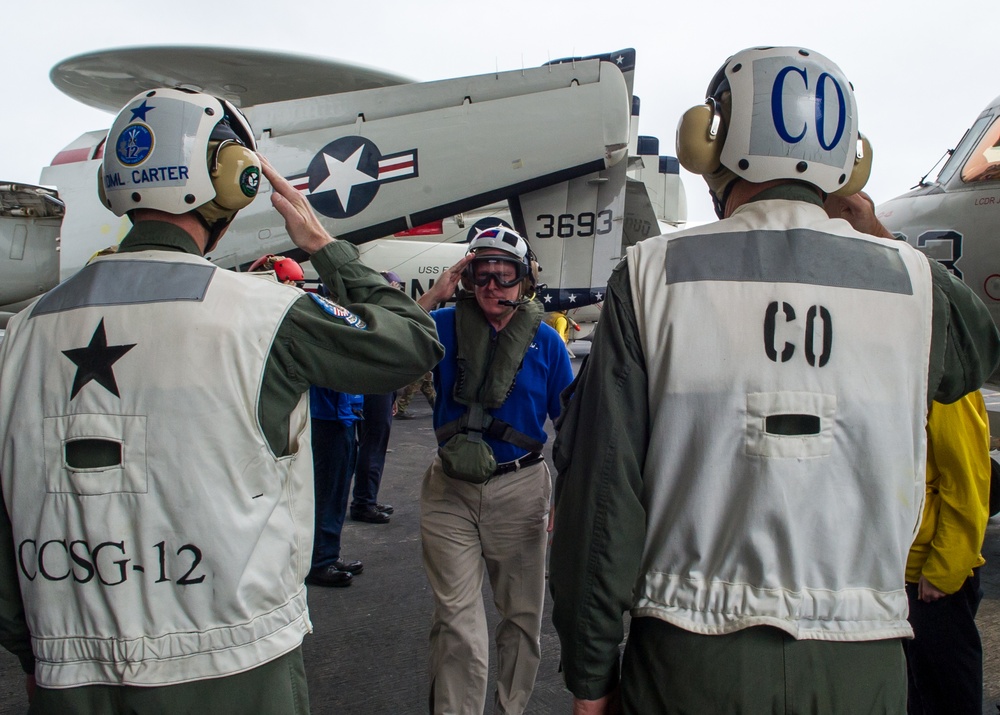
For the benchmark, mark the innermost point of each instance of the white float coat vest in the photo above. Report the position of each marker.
(787, 360)
(186, 560)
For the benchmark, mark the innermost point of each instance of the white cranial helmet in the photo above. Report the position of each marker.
(793, 117)
(178, 151)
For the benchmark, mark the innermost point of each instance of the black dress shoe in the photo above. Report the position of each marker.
(353, 567)
(370, 514)
(330, 576)
(385, 508)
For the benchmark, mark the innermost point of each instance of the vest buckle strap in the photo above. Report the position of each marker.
(525, 461)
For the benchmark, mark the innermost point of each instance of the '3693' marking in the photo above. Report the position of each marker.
(568, 225)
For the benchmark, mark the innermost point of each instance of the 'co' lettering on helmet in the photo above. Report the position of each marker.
(822, 83)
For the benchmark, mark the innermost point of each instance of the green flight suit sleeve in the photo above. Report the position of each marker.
(965, 344)
(395, 344)
(600, 523)
(14, 634)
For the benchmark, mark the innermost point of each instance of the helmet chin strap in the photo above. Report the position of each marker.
(514, 303)
(215, 230)
(214, 234)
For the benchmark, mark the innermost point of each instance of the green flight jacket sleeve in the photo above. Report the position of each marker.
(14, 634)
(396, 344)
(965, 344)
(600, 522)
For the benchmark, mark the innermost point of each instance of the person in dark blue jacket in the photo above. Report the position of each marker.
(335, 451)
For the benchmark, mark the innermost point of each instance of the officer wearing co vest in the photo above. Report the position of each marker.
(756, 476)
(154, 434)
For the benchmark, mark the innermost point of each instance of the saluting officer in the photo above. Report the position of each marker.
(154, 434)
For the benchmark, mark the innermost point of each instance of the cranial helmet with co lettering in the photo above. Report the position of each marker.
(177, 151)
(776, 113)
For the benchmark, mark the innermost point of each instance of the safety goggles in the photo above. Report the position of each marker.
(505, 272)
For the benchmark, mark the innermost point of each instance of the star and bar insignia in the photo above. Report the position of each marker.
(94, 362)
(344, 176)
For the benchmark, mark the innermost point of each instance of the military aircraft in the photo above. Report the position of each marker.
(955, 218)
(553, 150)
(30, 219)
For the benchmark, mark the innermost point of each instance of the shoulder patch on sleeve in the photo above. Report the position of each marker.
(337, 311)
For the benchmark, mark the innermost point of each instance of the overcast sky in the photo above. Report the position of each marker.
(922, 72)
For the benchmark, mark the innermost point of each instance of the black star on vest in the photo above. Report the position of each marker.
(94, 362)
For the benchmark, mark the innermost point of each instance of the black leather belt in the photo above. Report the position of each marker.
(525, 461)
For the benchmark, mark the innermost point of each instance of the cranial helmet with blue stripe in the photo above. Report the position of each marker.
(776, 113)
(180, 151)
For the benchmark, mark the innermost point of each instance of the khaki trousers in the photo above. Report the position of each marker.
(467, 530)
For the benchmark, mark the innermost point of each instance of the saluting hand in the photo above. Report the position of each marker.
(444, 287)
(301, 222)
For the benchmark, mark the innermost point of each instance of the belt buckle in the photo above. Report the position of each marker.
(516, 465)
(508, 467)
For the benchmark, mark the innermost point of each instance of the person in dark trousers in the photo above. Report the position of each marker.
(335, 416)
(373, 441)
(944, 659)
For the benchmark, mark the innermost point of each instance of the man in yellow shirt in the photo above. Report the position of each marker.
(945, 658)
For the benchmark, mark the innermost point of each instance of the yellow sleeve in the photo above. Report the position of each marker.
(959, 440)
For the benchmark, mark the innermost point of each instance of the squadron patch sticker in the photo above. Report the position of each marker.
(134, 144)
(337, 311)
(250, 181)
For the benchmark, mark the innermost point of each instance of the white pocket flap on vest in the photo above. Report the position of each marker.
(790, 424)
(127, 432)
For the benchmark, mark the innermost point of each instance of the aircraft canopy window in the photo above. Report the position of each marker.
(962, 150)
(984, 162)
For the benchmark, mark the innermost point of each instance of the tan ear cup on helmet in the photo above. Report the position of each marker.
(235, 172)
(700, 138)
(861, 171)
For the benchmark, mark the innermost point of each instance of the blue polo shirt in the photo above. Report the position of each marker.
(545, 372)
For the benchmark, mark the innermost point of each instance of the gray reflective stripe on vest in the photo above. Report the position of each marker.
(793, 256)
(124, 282)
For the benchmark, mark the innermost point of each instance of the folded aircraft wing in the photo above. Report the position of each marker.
(30, 218)
(382, 161)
